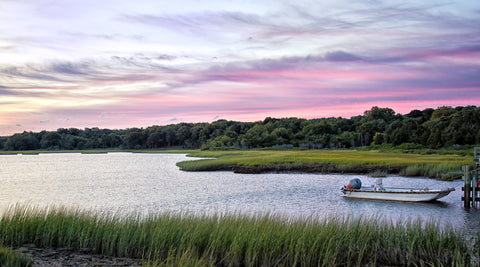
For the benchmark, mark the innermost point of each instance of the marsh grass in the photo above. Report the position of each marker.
(378, 173)
(328, 161)
(239, 240)
(9, 258)
(430, 170)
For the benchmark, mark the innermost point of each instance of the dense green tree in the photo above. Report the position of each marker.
(184, 135)
(3, 139)
(376, 113)
(256, 136)
(50, 140)
(156, 139)
(281, 136)
(110, 140)
(22, 141)
(347, 139)
(402, 131)
(415, 114)
(134, 138)
(442, 112)
(67, 142)
(379, 138)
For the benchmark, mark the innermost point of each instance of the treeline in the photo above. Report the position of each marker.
(431, 128)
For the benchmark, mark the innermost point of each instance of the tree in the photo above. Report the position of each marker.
(184, 134)
(378, 138)
(134, 138)
(156, 140)
(347, 139)
(67, 141)
(170, 135)
(23, 141)
(375, 120)
(281, 136)
(110, 140)
(415, 114)
(403, 131)
(462, 126)
(257, 136)
(220, 142)
(376, 113)
(2, 141)
(442, 112)
(50, 141)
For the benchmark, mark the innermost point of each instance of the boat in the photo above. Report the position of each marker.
(378, 192)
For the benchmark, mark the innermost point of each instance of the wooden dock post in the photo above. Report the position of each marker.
(475, 180)
(472, 183)
(466, 189)
(474, 189)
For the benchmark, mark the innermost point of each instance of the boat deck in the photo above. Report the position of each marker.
(397, 194)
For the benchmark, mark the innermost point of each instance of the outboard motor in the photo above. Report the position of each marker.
(354, 184)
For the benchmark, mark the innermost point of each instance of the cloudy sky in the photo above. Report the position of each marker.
(121, 64)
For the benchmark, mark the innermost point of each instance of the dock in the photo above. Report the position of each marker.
(471, 189)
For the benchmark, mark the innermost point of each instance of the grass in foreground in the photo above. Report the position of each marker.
(341, 161)
(8, 258)
(238, 240)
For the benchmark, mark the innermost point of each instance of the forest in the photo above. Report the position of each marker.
(443, 127)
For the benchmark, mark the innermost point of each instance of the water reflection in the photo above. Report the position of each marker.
(151, 183)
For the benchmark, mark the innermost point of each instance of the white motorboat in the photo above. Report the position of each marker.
(378, 192)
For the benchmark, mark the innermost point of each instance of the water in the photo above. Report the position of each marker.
(152, 183)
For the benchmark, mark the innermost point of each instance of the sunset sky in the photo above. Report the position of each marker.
(122, 64)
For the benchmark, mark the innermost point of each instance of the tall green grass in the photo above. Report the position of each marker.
(341, 161)
(441, 171)
(9, 258)
(240, 240)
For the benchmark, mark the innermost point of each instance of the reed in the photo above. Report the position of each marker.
(240, 240)
(9, 258)
(378, 173)
(430, 170)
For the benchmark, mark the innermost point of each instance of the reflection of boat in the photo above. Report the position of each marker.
(379, 192)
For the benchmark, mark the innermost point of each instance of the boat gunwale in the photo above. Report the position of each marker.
(406, 191)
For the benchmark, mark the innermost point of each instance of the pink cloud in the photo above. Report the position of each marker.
(143, 95)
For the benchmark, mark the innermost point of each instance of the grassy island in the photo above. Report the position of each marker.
(433, 165)
(238, 240)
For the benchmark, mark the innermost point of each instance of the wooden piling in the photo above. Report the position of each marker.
(471, 179)
(476, 159)
(466, 188)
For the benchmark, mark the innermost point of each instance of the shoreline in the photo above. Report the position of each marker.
(48, 256)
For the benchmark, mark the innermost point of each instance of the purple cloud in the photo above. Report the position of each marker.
(140, 63)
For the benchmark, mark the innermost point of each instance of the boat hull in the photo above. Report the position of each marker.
(398, 194)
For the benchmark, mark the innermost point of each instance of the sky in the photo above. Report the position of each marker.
(120, 64)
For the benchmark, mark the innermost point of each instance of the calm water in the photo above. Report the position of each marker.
(151, 183)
